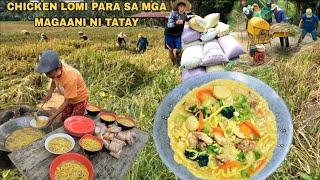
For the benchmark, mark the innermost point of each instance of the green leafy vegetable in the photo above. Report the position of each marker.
(206, 111)
(192, 109)
(243, 107)
(205, 130)
(191, 154)
(244, 174)
(228, 112)
(203, 159)
(214, 149)
(241, 157)
(257, 154)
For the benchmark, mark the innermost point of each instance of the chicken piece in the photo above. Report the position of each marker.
(99, 124)
(97, 131)
(116, 154)
(202, 136)
(109, 136)
(203, 146)
(103, 129)
(246, 145)
(122, 143)
(220, 140)
(222, 158)
(106, 144)
(114, 129)
(192, 139)
(112, 125)
(116, 145)
(126, 136)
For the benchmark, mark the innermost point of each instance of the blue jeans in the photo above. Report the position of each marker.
(313, 33)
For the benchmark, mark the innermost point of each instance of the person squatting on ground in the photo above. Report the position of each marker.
(68, 81)
(83, 36)
(174, 29)
(121, 39)
(142, 44)
(280, 17)
(309, 23)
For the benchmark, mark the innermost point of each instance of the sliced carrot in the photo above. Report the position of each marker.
(201, 94)
(259, 166)
(245, 129)
(218, 130)
(254, 130)
(201, 123)
(229, 164)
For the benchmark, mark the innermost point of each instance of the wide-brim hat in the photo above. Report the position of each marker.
(49, 61)
(309, 13)
(273, 7)
(177, 2)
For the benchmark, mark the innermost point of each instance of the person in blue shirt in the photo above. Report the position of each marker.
(174, 29)
(309, 23)
(280, 17)
(142, 43)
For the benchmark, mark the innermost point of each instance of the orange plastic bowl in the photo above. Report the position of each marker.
(67, 157)
(79, 125)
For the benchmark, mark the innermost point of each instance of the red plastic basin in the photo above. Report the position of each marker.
(67, 157)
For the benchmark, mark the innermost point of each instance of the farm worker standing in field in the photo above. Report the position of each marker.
(83, 36)
(266, 12)
(174, 29)
(142, 43)
(70, 83)
(256, 10)
(280, 17)
(309, 24)
(44, 38)
(247, 11)
(121, 39)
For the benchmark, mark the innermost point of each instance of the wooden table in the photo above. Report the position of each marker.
(34, 161)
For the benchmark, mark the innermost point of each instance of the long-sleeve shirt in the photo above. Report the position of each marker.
(143, 42)
(173, 28)
(280, 16)
(310, 24)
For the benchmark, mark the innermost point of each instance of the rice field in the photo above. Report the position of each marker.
(135, 84)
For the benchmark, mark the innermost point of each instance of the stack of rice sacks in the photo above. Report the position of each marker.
(207, 46)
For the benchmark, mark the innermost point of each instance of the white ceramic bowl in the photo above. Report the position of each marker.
(53, 136)
(33, 121)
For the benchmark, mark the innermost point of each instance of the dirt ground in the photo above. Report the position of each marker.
(275, 50)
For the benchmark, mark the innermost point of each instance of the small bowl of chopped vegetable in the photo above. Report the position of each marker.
(59, 143)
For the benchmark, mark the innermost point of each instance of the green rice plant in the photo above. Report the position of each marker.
(135, 84)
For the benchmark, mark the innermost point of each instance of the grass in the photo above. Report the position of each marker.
(135, 84)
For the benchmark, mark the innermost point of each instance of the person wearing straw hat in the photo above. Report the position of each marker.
(280, 17)
(83, 36)
(68, 80)
(174, 29)
(142, 43)
(44, 38)
(121, 39)
(309, 23)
